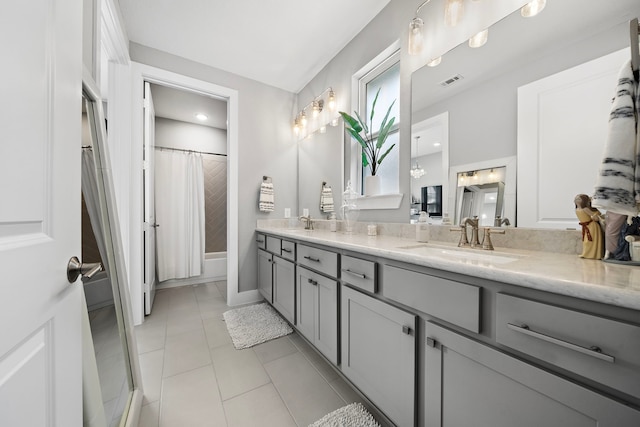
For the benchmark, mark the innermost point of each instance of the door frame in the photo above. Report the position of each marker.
(140, 74)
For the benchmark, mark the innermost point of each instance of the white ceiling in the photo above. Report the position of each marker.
(283, 43)
(182, 105)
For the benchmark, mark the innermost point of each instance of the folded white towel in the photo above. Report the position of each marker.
(618, 184)
(326, 199)
(266, 201)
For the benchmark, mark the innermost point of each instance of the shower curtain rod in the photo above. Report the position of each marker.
(189, 151)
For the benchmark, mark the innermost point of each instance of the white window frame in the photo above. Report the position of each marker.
(378, 65)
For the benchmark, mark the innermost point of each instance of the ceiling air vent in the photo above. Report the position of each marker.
(451, 80)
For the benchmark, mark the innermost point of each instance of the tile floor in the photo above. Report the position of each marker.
(193, 376)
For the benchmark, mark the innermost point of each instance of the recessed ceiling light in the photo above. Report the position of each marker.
(436, 144)
(201, 116)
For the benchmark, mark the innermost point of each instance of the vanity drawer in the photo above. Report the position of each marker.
(273, 245)
(604, 350)
(261, 241)
(359, 273)
(318, 259)
(454, 302)
(288, 250)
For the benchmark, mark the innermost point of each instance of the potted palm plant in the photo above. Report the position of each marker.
(372, 143)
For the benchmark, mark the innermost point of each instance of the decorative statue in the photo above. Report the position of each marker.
(589, 218)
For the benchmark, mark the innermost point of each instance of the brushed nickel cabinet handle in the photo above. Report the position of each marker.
(593, 351)
(311, 259)
(313, 282)
(286, 250)
(353, 273)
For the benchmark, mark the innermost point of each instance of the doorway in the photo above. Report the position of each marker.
(184, 128)
(142, 73)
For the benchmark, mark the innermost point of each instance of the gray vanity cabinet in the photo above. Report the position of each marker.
(265, 274)
(317, 307)
(284, 285)
(468, 383)
(379, 353)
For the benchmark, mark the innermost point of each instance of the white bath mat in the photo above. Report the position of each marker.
(255, 324)
(353, 415)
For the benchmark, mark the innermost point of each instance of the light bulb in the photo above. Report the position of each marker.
(416, 39)
(296, 126)
(315, 112)
(201, 116)
(533, 8)
(332, 100)
(479, 39)
(323, 129)
(453, 11)
(303, 119)
(434, 62)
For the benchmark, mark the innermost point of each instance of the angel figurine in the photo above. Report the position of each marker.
(589, 218)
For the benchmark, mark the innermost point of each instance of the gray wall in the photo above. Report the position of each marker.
(266, 146)
(483, 120)
(390, 25)
(189, 136)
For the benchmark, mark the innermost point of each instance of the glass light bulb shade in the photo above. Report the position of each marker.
(303, 119)
(316, 109)
(453, 12)
(533, 8)
(416, 38)
(323, 129)
(331, 100)
(334, 122)
(479, 39)
(434, 62)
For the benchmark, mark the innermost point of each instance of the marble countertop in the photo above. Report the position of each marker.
(564, 274)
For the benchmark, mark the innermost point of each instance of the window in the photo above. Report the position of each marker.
(386, 77)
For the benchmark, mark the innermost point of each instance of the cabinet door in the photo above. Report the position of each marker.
(470, 384)
(265, 274)
(284, 288)
(379, 353)
(326, 328)
(317, 311)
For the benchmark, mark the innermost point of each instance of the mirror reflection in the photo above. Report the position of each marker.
(478, 88)
(480, 194)
(105, 309)
(320, 172)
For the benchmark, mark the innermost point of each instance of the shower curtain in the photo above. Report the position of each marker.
(179, 199)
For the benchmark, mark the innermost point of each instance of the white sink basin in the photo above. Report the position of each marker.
(462, 253)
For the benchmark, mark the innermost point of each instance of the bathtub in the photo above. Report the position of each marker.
(215, 269)
(98, 291)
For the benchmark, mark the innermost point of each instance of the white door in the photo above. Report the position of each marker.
(149, 202)
(40, 311)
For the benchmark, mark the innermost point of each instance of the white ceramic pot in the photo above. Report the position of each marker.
(372, 185)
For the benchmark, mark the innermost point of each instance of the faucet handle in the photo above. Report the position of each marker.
(486, 241)
(462, 229)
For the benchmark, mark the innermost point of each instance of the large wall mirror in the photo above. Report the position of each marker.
(477, 91)
(320, 171)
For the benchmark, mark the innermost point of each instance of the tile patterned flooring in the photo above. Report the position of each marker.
(193, 376)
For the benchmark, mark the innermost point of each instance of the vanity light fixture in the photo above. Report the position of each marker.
(533, 8)
(453, 12)
(303, 126)
(434, 62)
(479, 39)
(201, 116)
(416, 38)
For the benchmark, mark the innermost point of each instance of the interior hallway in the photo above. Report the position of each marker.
(193, 376)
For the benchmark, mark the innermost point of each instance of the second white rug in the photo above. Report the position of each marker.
(352, 415)
(255, 324)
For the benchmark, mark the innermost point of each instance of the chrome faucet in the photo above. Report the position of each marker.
(498, 222)
(308, 222)
(473, 222)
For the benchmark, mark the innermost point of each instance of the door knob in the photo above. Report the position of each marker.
(75, 268)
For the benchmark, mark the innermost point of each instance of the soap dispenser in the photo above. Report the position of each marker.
(422, 228)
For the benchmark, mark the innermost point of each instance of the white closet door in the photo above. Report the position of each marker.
(40, 117)
(562, 128)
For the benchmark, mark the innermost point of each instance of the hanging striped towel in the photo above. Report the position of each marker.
(618, 184)
(326, 199)
(266, 197)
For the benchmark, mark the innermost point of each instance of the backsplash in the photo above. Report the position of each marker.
(556, 241)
